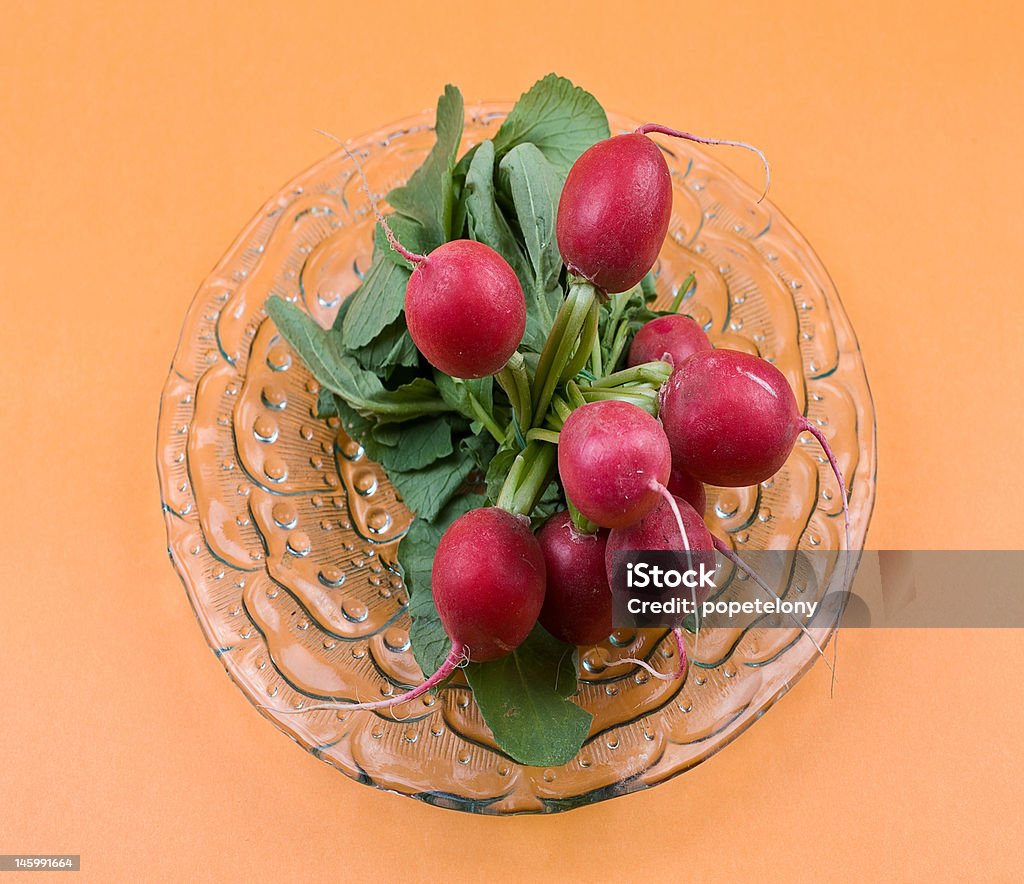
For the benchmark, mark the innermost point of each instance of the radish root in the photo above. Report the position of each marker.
(411, 257)
(847, 580)
(661, 676)
(725, 550)
(689, 136)
(677, 631)
(456, 659)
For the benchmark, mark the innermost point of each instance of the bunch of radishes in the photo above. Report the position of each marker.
(633, 448)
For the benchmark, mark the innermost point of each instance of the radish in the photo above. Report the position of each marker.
(488, 585)
(676, 335)
(464, 305)
(682, 484)
(465, 308)
(614, 460)
(732, 419)
(578, 601)
(614, 212)
(660, 530)
(615, 207)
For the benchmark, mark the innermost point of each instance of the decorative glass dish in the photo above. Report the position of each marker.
(285, 534)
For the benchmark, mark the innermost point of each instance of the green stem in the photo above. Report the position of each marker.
(618, 304)
(508, 487)
(514, 379)
(596, 361)
(540, 435)
(517, 433)
(561, 343)
(677, 301)
(560, 411)
(574, 395)
(580, 522)
(529, 476)
(643, 397)
(618, 346)
(553, 339)
(649, 372)
(588, 335)
(486, 419)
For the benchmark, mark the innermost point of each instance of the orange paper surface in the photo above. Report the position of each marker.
(138, 139)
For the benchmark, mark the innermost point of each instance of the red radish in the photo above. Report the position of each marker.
(465, 309)
(464, 304)
(614, 461)
(615, 208)
(683, 485)
(614, 211)
(677, 335)
(488, 585)
(578, 601)
(732, 420)
(488, 582)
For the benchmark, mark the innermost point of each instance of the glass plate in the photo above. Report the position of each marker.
(285, 535)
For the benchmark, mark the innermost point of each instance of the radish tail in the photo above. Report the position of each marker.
(453, 661)
(643, 664)
(411, 257)
(677, 634)
(664, 492)
(847, 580)
(724, 549)
(826, 448)
(689, 136)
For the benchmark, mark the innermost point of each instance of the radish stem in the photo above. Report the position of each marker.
(677, 301)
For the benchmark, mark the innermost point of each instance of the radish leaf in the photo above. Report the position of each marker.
(561, 119)
(524, 701)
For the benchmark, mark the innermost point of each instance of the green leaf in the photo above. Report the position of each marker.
(352, 422)
(458, 183)
(481, 449)
(375, 304)
(534, 188)
(325, 356)
(430, 645)
(498, 469)
(561, 119)
(456, 392)
(485, 221)
(523, 699)
(426, 491)
(409, 446)
(391, 349)
(551, 501)
(427, 196)
(648, 286)
(326, 404)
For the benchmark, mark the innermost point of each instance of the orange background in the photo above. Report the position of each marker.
(138, 139)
